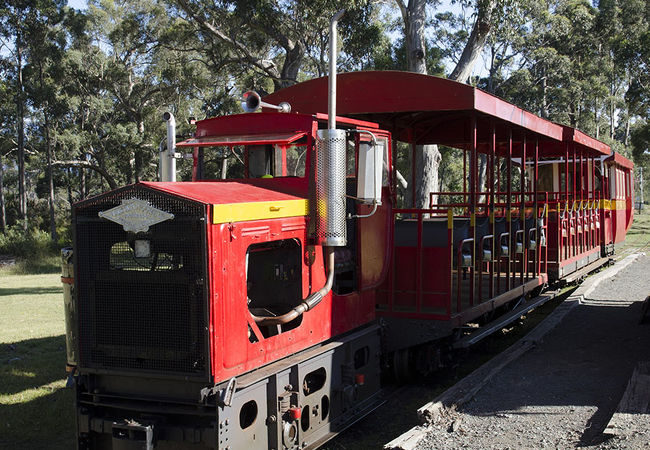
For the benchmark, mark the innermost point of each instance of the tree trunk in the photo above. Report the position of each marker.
(427, 157)
(544, 95)
(415, 21)
(22, 192)
(476, 42)
(50, 180)
(3, 215)
(82, 185)
(50, 177)
(291, 67)
(427, 162)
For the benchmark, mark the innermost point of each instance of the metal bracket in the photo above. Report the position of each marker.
(225, 395)
(131, 435)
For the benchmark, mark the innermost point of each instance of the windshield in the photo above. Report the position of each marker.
(250, 161)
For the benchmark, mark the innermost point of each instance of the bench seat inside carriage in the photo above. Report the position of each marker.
(436, 268)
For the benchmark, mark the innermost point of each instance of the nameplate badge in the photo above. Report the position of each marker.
(136, 215)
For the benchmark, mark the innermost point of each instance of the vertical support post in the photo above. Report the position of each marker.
(418, 266)
(509, 210)
(522, 207)
(536, 262)
(493, 146)
(413, 182)
(472, 216)
(574, 249)
(465, 176)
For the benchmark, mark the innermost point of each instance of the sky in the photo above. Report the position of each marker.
(78, 4)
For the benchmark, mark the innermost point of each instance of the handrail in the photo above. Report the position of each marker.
(460, 249)
(482, 246)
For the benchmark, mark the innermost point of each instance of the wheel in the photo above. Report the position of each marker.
(402, 366)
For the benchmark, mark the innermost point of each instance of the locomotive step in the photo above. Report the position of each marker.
(504, 320)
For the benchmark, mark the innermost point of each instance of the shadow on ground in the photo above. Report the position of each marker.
(30, 291)
(33, 413)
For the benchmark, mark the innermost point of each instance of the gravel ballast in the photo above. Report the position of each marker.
(562, 393)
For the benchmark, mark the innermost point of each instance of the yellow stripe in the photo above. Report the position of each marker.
(616, 204)
(450, 219)
(239, 212)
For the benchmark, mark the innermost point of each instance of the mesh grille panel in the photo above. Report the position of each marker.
(145, 313)
(330, 219)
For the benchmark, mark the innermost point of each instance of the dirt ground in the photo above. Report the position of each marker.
(563, 392)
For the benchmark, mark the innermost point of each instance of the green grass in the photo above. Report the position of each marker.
(638, 238)
(47, 264)
(36, 411)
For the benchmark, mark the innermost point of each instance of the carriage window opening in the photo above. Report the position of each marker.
(545, 178)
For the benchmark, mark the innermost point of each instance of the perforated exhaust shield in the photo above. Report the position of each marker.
(329, 194)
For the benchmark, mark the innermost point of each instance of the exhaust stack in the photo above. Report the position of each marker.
(330, 162)
(167, 157)
(328, 200)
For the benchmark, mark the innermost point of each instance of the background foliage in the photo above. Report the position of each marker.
(82, 92)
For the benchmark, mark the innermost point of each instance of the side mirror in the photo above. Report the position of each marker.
(371, 166)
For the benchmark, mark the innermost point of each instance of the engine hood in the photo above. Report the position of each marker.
(242, 200)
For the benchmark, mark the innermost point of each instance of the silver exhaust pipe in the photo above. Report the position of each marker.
(329, 198)
(167, 157)
(328, 201)
(331, 101)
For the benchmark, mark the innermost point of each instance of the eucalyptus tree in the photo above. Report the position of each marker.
(415, 20)
(280, 42)
(22, 24)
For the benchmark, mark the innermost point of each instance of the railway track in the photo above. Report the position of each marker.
(398, 412)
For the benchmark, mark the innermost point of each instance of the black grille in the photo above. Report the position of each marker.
(142, 312)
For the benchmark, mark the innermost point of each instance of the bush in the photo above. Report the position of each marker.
(33, 244)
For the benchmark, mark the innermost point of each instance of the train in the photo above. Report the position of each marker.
(260, 310)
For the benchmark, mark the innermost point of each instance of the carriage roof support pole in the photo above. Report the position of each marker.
(536, 207)
(522, 177)
(465, 197)
(593, 176)
(473, 166)
(582, 176)
(575, 172)
(566, 173)
(491, 165)
(509, 207)
(522, 208)
(411, 137)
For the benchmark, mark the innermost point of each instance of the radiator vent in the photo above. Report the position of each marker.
(144, 313)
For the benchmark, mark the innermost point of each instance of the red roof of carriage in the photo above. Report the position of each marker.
(621, 160)
(429, 110)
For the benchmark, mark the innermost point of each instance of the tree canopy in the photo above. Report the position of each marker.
(82, 93)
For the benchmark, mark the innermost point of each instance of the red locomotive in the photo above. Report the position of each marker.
(257, 312)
